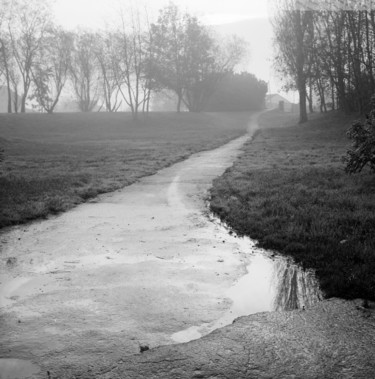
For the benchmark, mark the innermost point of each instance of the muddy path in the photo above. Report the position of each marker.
(134, 268)
(145, 266)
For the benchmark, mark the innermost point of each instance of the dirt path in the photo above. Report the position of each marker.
(132, 269)
(81, 292)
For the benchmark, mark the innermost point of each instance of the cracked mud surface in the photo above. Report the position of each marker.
(332, 339)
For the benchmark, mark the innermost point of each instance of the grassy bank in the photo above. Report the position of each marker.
(53, 162)
(289, 191)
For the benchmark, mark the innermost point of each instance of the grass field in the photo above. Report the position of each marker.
(289, 191)
(53, 162)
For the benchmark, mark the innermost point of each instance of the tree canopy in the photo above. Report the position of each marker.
(238, 92)
(326, 53)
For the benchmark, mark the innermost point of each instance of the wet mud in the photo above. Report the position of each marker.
(141, 267)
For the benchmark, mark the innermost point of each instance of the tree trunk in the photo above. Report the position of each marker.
(23, 103)
(179, 101)
(310, 98)
(9, 97)
(301, 80)
(302, 103)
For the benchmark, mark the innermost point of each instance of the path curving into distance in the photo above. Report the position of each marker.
(141, 266)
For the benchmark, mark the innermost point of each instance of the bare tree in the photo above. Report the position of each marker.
(83, 71)
(50, 71)
(133, 59)
(107, 58)
(5, 49)
(6, 68)
(26, 26)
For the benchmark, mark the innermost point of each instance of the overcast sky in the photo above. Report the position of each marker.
(94, 13)
(90, 12)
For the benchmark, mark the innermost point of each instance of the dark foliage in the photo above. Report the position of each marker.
(237, 93)
(363, 147)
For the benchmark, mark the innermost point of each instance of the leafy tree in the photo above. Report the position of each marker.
(169, 37)
(363, 149)
(188, 59)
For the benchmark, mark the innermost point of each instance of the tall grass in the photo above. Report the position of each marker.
(289, 191)
(54, 162)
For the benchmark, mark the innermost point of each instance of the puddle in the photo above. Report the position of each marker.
(17, 369)
(272, 283)
(8, 289)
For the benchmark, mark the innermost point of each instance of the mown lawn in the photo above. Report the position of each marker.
(289, 191)
(54, 162)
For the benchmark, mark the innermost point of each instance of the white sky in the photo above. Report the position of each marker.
(71, 13)
(99, 13)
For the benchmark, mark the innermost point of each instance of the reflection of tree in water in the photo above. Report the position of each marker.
(295, 287)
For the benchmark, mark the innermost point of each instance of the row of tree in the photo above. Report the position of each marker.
(238, 92)
(114, 68)
(326, 54)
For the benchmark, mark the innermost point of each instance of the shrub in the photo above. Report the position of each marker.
(363, 146)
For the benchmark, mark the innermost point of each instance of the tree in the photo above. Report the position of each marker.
(237, 93)
(208, 63)
(337, 48)
(108, 60)
(188, 59)
(133, 46)
(363, 148)
(293, 33)
(169, 38)
(5, 49)
(83, 71)
(27, 24)
(51, 68)
(6, 67)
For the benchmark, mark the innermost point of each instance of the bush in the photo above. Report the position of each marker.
(363, 147)
(238, 93)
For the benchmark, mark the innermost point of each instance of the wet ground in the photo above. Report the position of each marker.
(144, 266)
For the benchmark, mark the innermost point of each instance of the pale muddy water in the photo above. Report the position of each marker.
(272, 283)
(17, 369)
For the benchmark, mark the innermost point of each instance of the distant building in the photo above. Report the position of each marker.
(275, 101)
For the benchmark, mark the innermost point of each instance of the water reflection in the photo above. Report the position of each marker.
(295, 287)
(272, 283)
